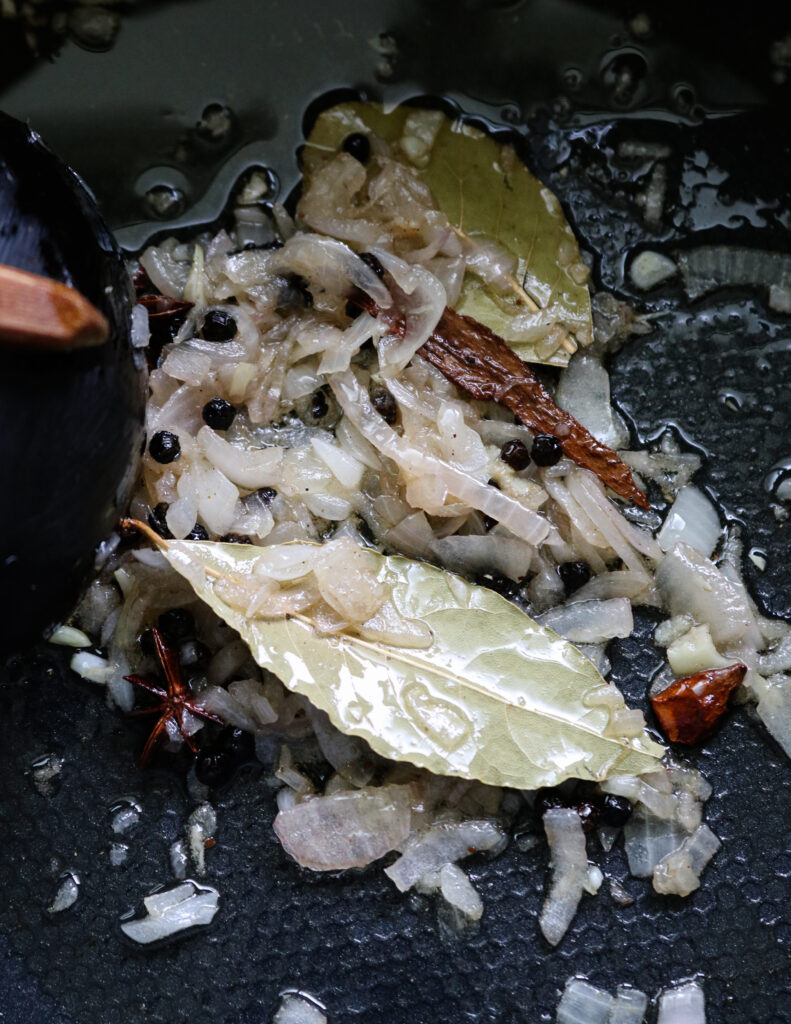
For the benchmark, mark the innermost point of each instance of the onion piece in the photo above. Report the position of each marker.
(187, 905)
(444, 844)
(692, 519)
(251, 468)
(584, 391)
(629, 1007)
(332, 265)
(346, 830)
(691, 584)
(583, 1003)
(685, 1004)
(695, 652)
(457, 890)
(427, 301)
(591, 622)
(67, 894)
(521, 521)
(647, 840)
(344, 467)
(297, 1008)
(679, 872)
(569, 872)
(492, 552)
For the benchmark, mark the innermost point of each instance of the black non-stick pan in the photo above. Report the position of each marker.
(571, 82)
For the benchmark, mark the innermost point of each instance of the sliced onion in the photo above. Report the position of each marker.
(684, 1004)
(344, 467)
(492, 552)
(693, 585)
(584, 391)
(589, 492)
(607, 585)
(333, 266)
(629, 1007)
(346, 830)
(647, 839)
(679, 872)
(694, 652)
(354, 401)
(426, 301)
(251, 468)
(583, 1003)
(591, 622)
(444, 844)
(297, 1008)
(459, 892)
(692, 519)
(171, 911)
(569, 872)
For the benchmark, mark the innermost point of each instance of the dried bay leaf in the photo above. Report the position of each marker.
(486, 192)
(495, 696)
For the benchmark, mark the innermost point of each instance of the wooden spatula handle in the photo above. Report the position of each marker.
(37, 312)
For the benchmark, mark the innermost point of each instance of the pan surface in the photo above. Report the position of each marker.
(717, 371)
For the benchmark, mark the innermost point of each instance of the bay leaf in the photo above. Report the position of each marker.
(486, 192)
(495, 696)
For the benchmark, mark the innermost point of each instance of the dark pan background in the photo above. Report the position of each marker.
(353, 941)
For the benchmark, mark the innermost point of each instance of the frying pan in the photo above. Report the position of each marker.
(716, 371)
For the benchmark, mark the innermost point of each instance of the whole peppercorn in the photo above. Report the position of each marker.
(176, 624)
(546, 450)
(165, 447)
(266, 494)
(514, 453)
(372, 262)
(384, 403)
(218, 414)
(197, 532)
(218, 325)
(319, 406)
(358, 146)
(574, 575)
(615, 810)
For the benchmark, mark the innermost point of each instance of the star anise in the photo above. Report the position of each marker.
(173, 702)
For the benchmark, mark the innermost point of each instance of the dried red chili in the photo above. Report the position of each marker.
(481, 363)
(689, 709)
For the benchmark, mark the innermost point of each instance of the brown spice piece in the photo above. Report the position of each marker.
(689, 709)
(479, 362)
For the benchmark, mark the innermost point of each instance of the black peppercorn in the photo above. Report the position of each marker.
(218, 762)
(218, 414)
(384, 403)
(319, 406)
(266, 494)
(546, 799)
(514, 453)
(197, 532)
(358, 146)
(158, 522)
(176, 624)
(218, 326)
(372, 263)
(615, 810)
(235, 538)
(574, 575)
(546, 450)
(165, 447)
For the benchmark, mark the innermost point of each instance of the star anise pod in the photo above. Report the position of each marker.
(173, 704)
